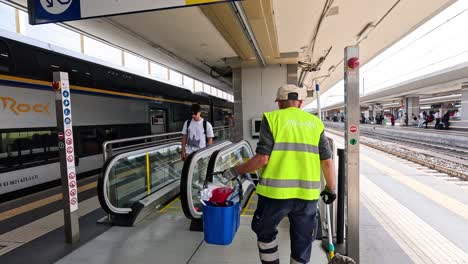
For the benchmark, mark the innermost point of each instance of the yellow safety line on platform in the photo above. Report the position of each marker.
(443, 200)
(169, 205)
(420, 241)
(148, 181)
(248, 203)
(198, 2)
(31, 206)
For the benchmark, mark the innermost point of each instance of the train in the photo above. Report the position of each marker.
(107, 103)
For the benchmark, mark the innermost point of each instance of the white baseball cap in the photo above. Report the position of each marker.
(289, 92)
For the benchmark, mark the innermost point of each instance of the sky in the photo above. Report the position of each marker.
(438, 44)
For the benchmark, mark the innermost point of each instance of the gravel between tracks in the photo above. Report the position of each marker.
(410, 153)
(426, 158)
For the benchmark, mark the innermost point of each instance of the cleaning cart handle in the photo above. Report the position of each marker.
(239, 182)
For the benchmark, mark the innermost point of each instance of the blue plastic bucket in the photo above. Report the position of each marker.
(220, 224)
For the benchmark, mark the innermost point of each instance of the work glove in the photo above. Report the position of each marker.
(230, 173)
(328, 195)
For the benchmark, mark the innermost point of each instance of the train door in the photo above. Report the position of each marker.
(158, 121)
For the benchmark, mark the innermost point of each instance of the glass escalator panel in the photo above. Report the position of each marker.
(193, 178)
(229, 157)
(130, 177)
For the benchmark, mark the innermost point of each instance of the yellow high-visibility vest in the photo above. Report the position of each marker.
(293, 170)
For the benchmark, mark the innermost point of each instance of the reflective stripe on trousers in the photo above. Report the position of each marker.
(268, 251)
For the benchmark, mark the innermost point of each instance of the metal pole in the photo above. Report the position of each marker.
(317, 90)
(67, 156)
(352, 111)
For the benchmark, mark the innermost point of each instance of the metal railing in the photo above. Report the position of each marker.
(111, 147)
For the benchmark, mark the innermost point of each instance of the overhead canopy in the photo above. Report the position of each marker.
(218, 37)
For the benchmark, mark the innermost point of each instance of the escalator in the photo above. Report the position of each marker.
(201, 165)
(133, 181)
(136, 183)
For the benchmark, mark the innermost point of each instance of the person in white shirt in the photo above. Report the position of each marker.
(197, 133)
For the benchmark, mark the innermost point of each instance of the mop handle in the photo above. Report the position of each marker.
(331, 247)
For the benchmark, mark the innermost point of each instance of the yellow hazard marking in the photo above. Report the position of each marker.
(443, 200)
(148, 180)
(198, 2)
(169, 205)
(243, 212)
(31, 206)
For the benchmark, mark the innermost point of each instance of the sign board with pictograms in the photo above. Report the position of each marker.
(49, 11)
(66, 154)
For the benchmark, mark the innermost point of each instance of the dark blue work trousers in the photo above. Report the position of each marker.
(302, 216)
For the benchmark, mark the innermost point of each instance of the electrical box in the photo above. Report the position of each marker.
(256, 127)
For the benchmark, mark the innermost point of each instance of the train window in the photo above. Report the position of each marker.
(50, 62)
(26, 148)
(205, 111)
(181, 112)
(79, 73)
(5, 58)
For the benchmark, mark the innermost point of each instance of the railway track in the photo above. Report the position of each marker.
(457, 153)
(433, 156)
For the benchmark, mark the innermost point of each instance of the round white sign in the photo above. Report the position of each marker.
(56, 6)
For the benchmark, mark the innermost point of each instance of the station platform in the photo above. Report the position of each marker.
(454, 138)
(409, 214)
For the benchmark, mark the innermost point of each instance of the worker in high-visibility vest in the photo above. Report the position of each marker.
(292, 150)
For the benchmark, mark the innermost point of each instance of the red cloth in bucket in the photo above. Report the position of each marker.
(220, 195)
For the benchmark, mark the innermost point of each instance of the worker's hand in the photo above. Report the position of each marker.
(328, 195)
(230, 173)
(182, 155)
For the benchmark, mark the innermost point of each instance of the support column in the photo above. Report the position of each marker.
(238, 129)
(464, 107)
(371, 112)
(411, 106)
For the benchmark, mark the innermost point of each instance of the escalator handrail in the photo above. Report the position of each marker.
(186, 177)
(103, 179)
(227, 149)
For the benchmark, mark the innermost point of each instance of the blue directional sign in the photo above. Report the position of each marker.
(49, 11)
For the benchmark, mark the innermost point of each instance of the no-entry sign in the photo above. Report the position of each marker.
(353, 129)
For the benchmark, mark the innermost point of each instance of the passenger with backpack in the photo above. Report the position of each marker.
(197, 133)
